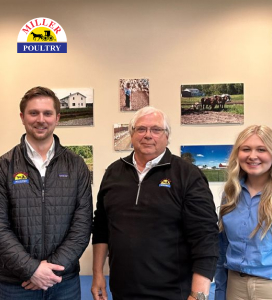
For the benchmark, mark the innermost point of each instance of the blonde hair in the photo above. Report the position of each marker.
(233, 188)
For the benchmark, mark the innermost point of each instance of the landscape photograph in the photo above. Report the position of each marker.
(212, 160)
(212, 103)
(86, 152)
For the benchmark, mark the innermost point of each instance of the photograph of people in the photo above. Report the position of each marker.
(134, 94)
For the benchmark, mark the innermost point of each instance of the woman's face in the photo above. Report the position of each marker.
(254, 158)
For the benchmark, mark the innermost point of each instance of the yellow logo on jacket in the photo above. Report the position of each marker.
(165, 183)
(20, 177)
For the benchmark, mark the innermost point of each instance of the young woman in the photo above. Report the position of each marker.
(244, 269)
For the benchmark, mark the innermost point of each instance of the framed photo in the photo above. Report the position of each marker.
(212, 103)
(76, 106)
(134, 94)
(211, 159)
(122, 140)
(86, 152)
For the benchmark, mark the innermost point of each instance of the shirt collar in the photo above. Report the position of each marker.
(244, 186)
(152, 163)
(242, 182)
(32, 152)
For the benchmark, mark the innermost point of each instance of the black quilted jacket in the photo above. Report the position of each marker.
(50, 221)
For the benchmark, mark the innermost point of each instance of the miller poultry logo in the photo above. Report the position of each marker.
(20, 177)
(42, 35)
(165, 183)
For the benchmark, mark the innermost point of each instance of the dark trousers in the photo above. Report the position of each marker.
(66, 290)
(127, 101)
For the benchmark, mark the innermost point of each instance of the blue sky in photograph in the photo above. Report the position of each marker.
(210, 155)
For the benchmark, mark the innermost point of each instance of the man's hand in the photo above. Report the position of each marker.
(28, 285)
(43, 278)
(99, 288)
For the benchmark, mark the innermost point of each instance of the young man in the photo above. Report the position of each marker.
(156, 217)
(45, 208)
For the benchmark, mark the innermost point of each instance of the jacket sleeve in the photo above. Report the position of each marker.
(77, 239)
(200, 223)
(221, 273)
(13, 256)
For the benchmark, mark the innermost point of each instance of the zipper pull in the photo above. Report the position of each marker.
(43, 195)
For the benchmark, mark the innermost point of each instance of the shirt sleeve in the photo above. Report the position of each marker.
(221, 273)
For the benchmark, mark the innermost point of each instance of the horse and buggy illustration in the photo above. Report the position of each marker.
(46, 37)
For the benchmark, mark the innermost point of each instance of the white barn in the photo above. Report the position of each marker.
(75, 100)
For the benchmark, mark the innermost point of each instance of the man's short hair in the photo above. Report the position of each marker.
(146, 111)
(37, 92)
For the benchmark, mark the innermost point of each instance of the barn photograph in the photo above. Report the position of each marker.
(212, 160)
(212, 103)
(76, 106)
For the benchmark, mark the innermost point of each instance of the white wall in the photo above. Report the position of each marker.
(171, 42)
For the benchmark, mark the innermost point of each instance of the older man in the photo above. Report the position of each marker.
(156, 218)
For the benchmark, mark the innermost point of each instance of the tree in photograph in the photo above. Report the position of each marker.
(188, 157)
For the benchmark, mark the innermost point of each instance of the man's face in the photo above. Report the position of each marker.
(40, 119)
(148, 145)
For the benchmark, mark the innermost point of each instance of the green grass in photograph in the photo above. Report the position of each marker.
(230, 107)
(215, 175)
(86, 152)
(236, 109)
(192, 100)
(237, 97)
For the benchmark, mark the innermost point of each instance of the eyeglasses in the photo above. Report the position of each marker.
(155, 131)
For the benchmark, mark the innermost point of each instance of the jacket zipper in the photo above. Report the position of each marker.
(138, 192)
(43, 233)
(42, 194)
(140, 182)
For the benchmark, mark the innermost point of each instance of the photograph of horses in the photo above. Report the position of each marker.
(212, 103)
(134, 94)
(76, 106)
(86, 152)
(211, 159)
(122, 140)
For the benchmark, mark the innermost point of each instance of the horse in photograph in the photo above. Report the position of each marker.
(208, 102)
(222, 100)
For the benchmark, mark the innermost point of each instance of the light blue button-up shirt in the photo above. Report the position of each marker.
(239, 252)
